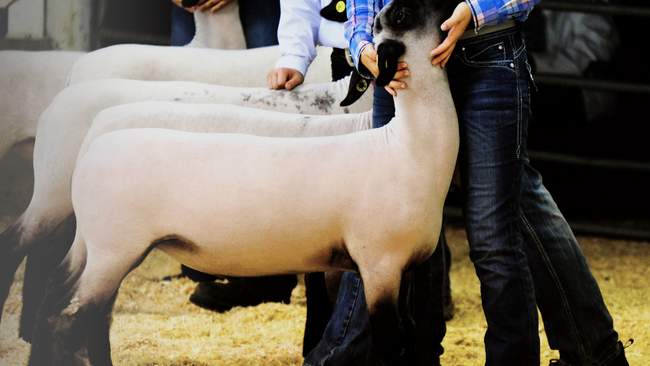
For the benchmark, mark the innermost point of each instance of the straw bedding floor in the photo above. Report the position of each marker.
(155, 324)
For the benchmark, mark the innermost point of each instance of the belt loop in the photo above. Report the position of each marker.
(470, 33)
(348, 57)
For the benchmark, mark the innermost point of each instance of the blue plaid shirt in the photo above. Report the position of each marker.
(361, 15)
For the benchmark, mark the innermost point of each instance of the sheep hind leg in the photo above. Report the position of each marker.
(98, 344)
(59, 289)
(11, 256)
(75, 311)
(41, 260)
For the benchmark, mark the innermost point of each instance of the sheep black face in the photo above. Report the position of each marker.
(408, 22)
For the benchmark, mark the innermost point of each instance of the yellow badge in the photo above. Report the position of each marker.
(362, 85)
(340, 6)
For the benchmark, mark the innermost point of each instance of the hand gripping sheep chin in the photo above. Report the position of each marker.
(241, 205)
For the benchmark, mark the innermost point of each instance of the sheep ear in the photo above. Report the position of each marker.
(358, 86)
(335, 11)
(189, 3)
(388, 52)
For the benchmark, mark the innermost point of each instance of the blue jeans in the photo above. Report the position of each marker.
(183, 27)
(523, 250)
(347, 338)
(259, 19)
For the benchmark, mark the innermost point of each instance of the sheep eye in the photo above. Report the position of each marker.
(400, 16)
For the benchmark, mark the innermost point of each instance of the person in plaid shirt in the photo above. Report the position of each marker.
(524, 252)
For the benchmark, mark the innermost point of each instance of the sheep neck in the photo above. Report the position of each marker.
(219, 30)
(425, 109)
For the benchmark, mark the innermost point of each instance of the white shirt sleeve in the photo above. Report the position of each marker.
(297, 33)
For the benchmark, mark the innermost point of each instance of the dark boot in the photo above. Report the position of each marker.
(619, 360)
(221, 297)
(192, 274)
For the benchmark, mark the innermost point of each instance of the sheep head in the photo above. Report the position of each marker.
(415, 23)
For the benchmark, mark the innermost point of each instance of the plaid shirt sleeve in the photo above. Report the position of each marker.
(492, 12)
(358, 29)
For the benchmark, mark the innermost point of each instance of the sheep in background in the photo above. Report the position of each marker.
(62, 129)
(219, 30)
(216, 55)
(222, 67)
(29, 81)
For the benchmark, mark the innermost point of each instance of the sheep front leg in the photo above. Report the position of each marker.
(408, 324)
(382, 293)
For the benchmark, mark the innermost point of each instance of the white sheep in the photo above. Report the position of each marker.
(64, 125)
(241, 205)
(216, 55)
(223, 67)
(29, 80)
(219, 30)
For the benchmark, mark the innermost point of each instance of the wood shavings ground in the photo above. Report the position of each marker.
(155, 324)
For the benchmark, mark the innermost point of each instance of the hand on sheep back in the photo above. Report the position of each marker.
(284, 78)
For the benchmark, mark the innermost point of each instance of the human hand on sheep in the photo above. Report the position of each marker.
(456, 25)
(369, 60)
(284, 78)
(212, 5)
(202, 5)
(180, 3)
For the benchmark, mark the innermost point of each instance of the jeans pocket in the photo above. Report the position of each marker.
(482, 53)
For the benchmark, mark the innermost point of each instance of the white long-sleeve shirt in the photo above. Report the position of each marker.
(301, 29)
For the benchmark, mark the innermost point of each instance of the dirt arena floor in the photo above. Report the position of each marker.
(155, 324)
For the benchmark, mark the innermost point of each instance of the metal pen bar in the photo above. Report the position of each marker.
(596, 8)
(574, 81)
(590, 162)
(134, 37)
(452, 213)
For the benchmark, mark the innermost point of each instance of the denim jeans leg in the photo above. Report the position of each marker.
(488, 80)
(430, 284)
(183, 27)
(347, 337)
(260, 19)
(576, 319)
(383, 107)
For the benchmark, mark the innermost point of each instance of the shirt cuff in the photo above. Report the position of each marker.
(363, 70)
(479, 20)
(294, 62)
